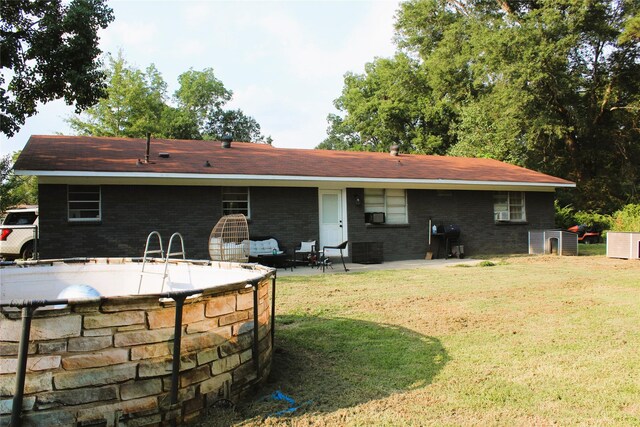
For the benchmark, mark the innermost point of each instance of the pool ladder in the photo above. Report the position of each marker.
(160, 251)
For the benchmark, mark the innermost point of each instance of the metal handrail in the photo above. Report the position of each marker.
(145, 256)
(169, 253)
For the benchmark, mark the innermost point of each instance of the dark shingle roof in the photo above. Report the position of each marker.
(120, 155)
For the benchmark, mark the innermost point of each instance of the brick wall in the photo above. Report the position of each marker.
(288, 214)
(130, 213)
(471, 210)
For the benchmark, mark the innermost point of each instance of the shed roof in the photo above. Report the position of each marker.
(124, 157)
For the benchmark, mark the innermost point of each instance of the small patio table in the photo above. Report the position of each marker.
(276, 260)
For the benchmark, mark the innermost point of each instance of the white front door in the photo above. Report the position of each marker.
(332, 227)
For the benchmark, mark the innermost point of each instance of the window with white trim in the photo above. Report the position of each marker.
(84, 203)
(235, 200)
(509, 206)
(393, 202)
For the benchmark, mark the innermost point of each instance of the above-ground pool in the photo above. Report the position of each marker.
(102, 339)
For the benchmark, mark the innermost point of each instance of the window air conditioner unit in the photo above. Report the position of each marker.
(374, 217)
(502, 216)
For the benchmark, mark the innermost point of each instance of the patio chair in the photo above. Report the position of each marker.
(324, 258)
(229, 239)
(307, 250)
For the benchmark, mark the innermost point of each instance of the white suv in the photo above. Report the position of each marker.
(18, 233)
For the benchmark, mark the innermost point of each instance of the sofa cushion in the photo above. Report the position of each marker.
(263, 247)
(228, 251)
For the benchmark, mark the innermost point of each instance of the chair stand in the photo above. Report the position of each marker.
(325, 259)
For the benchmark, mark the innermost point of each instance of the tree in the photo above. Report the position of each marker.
(235, 123)
(554, 86)
(387, 106)
(50, 51)
(133, 105)
(341, 136)
(201, 94)
(6, 183)
(15, 190)
(136, 102)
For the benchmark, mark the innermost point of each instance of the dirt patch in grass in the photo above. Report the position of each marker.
(529, 341)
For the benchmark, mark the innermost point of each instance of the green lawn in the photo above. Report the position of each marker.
(591, 250)
(527, 341)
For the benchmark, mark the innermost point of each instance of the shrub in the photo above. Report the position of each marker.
(486, 264)
(566, 217)
(594, 220)
(627, 219)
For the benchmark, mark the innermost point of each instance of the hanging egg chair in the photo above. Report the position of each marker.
(229, 239)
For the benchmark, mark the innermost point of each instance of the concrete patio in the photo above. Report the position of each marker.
(303, 270)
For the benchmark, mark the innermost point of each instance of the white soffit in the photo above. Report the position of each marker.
(141, 178)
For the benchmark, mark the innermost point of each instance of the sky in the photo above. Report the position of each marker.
(283, 60)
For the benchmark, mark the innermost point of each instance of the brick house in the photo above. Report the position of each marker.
(101, 197)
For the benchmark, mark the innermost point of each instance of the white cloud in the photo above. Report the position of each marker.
(258, 97)
(299, 136)
(311, 57)
(197, 14)
(191, 48)
(372, 37)
(136, 38)
(313, 64)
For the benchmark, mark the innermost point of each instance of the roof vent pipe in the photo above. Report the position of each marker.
(146, 153)
(394, 150)
(226, 140)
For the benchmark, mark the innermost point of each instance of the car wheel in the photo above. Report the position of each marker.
(27, 251)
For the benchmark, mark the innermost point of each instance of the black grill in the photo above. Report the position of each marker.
(450, 231)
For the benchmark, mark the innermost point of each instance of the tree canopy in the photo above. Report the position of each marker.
(137, 102)
(15, 190)
(550, 85)
(49, 50)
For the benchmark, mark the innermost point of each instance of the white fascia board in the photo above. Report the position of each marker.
(144, 178)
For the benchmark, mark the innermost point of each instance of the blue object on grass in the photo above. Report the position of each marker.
(278, 395)
(285, 411)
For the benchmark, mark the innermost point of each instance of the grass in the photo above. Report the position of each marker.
(591, 250)
(528, 341)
